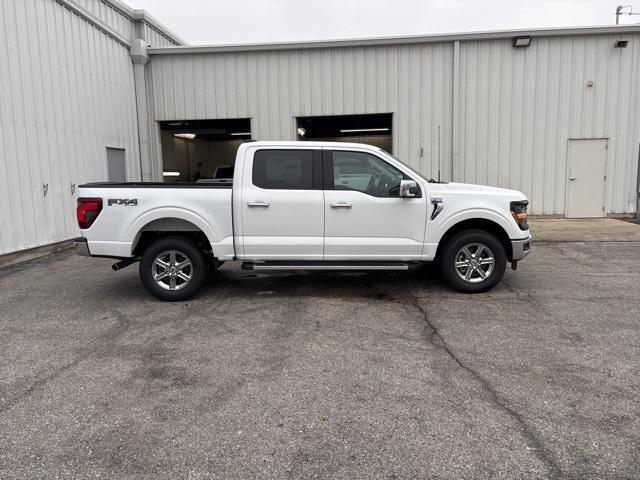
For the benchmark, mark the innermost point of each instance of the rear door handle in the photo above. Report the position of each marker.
(340, 205)
(258, 203)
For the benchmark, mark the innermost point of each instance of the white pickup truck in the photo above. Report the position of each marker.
(305, 206)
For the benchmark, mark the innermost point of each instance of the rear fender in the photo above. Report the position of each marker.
(135, 229)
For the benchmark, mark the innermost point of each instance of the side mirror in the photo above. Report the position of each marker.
(409, 189)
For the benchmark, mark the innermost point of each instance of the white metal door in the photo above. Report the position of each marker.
(586, 177)
(369, 226)
(283, 210)
(116, 167)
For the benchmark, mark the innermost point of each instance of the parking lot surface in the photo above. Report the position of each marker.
(364, 375)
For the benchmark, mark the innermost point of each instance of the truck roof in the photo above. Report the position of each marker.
(307, 144)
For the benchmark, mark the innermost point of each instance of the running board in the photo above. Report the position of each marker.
(336, 266)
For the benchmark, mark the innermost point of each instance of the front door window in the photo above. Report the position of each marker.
(365, 173)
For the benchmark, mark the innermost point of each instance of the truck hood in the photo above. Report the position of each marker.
(469, 188)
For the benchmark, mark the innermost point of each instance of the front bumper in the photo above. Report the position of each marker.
(81, 246)
(520, 248)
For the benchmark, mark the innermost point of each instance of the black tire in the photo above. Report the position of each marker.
(184, 249)
(470, 279)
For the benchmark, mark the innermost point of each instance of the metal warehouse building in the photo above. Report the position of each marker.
(92, 90)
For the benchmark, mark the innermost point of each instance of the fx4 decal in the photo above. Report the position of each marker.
(127, 202)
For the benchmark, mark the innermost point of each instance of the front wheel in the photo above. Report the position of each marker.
(473, 261)
(173, 268)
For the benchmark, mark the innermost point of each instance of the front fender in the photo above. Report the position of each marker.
(434, 235)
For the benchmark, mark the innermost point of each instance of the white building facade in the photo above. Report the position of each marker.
(83, 80)
(472, 106)
(67, 95)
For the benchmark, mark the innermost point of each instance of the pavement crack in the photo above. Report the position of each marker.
(534, 443)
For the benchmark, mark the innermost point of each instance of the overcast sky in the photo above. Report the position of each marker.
(254, 21)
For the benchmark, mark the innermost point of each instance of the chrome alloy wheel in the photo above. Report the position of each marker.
(172, 270)
(474, 262)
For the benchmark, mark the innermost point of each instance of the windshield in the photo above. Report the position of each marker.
(403, 164)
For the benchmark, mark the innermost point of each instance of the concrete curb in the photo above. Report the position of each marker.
(37, 252)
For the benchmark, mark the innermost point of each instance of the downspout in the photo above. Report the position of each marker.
(455, 114)
(140, 58)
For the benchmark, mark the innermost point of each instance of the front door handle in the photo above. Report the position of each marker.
(258, 203)
(340, 205)
(572, 178)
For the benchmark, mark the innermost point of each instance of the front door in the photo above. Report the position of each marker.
(365, 218)
(586, 177)
(282, 205)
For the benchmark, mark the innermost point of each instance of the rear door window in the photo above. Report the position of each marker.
(285, 169)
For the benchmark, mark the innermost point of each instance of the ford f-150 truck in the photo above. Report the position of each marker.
(305, 206)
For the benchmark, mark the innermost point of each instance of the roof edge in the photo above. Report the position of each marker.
(95, 21)
(143, 15)
(432, 38)
(151, 20)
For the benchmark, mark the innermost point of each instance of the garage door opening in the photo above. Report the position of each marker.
(373, 129)
(201, 150)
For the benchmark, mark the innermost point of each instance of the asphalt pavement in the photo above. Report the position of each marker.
(324, 375)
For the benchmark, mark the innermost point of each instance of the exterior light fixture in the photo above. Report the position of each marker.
(188, 136)
(521, 42)
(301, 131)
(621, 44)
(364, 130)
(170, 174)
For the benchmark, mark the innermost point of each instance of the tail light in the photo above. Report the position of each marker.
(519, 213)
(87, 211)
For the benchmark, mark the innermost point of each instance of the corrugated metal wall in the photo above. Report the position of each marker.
(66, 93)
(519, 107)
(273, 87)
(516, 108)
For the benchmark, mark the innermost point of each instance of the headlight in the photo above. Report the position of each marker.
(519, 213)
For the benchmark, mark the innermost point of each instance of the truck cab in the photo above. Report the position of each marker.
(308, 206)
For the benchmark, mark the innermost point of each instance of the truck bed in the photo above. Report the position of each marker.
(130, 208)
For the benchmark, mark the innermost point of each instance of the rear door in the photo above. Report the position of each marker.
(365, 218)
(282, 204)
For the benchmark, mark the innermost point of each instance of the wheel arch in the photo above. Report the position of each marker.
(169, 226)
(484, 224)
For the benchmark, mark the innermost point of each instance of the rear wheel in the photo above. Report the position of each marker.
(173, 268)
(473, 261)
